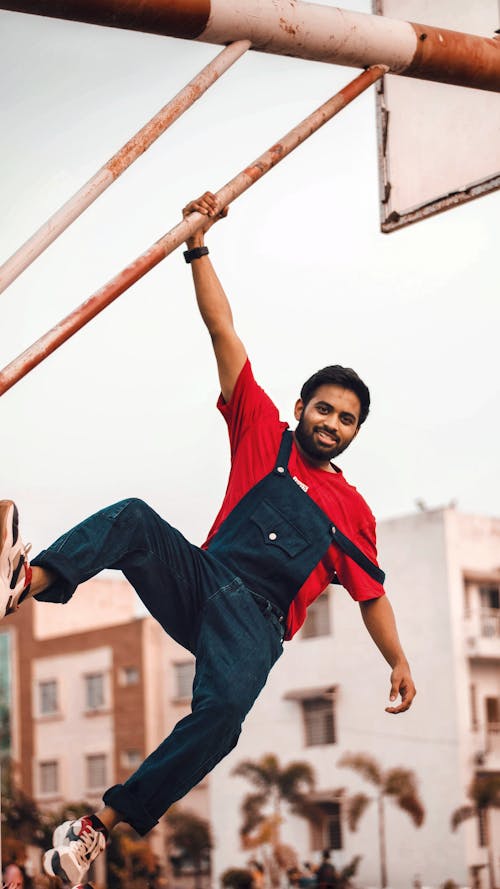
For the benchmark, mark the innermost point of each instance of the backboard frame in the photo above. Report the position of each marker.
(394, 217)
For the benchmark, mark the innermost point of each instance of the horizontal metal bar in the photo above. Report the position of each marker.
(112, 169)
(295, 28)
(55, 337)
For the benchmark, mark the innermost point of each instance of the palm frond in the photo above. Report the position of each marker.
(261, 773)
(349, 871)
(463, 813)
(484, 791)
(365, 765)
(412, 805)
(251, 810)
(307, 808)
(354, 808)
(296, 779)
(400, 782)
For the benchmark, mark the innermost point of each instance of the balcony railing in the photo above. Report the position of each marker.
(489, 622)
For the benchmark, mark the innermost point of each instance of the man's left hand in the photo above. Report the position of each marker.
(401, 684)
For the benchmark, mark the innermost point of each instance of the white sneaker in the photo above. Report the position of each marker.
(15, 571)
(62, 835)
(78, 845)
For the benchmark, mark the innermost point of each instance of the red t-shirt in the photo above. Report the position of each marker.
(255, 431)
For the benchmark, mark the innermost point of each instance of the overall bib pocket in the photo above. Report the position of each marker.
(277, 530)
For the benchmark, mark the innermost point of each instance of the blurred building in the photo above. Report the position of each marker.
(327, 694)
(91, 688)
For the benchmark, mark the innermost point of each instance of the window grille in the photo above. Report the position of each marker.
(49, 777)
(319, 721)
(96, 771)
(94, 691)
(48, 697)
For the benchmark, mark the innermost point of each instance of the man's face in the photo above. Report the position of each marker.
(327, 423)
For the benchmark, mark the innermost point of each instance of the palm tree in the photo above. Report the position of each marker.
(191, 837)
(399, 784)
(274, 785)
(484, 794)
(262, 811)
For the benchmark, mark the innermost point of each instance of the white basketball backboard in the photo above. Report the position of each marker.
(439, 145)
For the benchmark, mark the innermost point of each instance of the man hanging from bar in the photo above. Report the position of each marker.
(289, 525)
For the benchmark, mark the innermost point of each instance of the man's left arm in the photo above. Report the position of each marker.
(380, 622)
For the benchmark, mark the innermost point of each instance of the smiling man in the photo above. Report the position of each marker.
(289, 525)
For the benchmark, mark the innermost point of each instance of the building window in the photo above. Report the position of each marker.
(473, 708)
(95, 691)
(131, 759)
(129, 675)
(47, 697)
(318, 618)
(319, 721)
(184, 675)
(492, 724)
(49, 777)
(489, 597)
(467, 600)
(326, 829)
(96, 771)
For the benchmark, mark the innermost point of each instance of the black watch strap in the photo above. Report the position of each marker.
(195, 253)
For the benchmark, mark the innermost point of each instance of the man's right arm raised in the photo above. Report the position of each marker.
(213, 303)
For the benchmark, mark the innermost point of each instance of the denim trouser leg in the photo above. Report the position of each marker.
(200, 604)
(171, 575)
(237, 646)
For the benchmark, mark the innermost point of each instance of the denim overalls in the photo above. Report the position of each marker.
(276, 535)
(227, 605)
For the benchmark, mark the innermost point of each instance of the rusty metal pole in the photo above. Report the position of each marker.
(295, 28)
(120, 161)
(55, 337)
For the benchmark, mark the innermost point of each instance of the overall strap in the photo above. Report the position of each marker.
(354, 552)
(343, 542)
(280, 467)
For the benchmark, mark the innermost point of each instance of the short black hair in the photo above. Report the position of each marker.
(337, 375)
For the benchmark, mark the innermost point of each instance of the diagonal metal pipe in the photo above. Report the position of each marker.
(55, 337)
(113, 168)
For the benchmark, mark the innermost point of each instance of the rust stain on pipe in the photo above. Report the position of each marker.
(460, 59)
(287, 27)
(178, 18)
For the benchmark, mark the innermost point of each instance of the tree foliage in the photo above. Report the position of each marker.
(236, 878)
(484, 794)
(21, 817)
(274, 784)
(398, 783)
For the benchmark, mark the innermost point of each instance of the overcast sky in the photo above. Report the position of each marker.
(126, 407)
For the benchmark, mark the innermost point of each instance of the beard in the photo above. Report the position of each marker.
(314, 450)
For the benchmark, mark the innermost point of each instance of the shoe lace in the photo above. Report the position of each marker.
(84, 845)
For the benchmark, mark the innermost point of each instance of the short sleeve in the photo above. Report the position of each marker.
(248, 405)
(356, 581)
